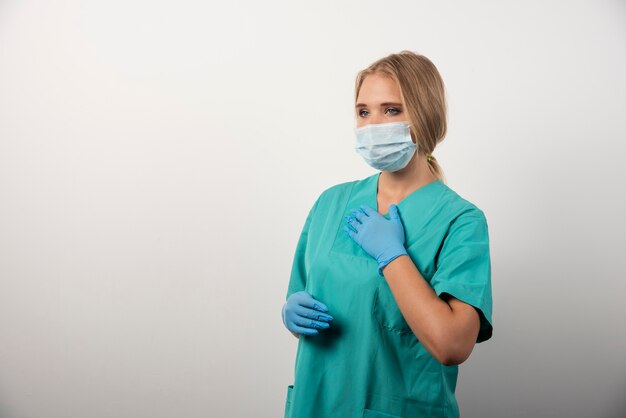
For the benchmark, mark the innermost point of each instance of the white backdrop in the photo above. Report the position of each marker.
(158, 159)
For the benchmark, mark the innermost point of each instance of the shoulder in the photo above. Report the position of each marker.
(339, 191)
(459, 207)
(348, 185)
(339, 188)
(466, 230)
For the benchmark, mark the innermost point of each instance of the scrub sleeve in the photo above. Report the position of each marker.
(301, 259)
(464, 268)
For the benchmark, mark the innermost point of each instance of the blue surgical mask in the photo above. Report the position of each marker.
(385, 146)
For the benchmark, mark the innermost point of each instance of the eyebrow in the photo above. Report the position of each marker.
(358, 105)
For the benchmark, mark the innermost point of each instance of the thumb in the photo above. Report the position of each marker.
(393, 212)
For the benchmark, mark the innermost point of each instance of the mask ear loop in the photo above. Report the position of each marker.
(410, 126)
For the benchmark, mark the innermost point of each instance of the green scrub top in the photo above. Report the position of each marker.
(369, 363)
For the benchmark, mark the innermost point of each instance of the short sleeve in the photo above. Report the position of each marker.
(464, 267)
(297, 280)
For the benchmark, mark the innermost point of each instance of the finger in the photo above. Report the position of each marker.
(309, 323)
(352, 221)
(350, 231)
(304, 331)
(307, 300)
(393, 212)
(367, 210)
(354, 211)
(360, 215)
(351, 217)
(362, 210)
(312, 314)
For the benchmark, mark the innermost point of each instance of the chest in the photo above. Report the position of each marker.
(384, 202)
(383, 206)
(331, 252)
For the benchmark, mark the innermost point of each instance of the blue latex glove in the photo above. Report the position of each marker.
(380, 237)
(304, 315)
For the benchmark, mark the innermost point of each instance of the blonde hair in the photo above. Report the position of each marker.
(423, 95)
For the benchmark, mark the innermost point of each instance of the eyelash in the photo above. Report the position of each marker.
(389, 108)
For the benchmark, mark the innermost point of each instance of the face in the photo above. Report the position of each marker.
(379, 101)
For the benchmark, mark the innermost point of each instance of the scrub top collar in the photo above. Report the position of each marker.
(424, 197)
(416, 211)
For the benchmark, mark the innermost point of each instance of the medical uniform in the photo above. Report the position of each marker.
(368, 363)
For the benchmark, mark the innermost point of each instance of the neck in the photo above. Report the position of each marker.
(415, 175)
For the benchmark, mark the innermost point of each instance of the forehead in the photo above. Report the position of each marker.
(377, 89)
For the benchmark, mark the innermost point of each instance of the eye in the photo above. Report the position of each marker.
(398, 111)
(361, 112)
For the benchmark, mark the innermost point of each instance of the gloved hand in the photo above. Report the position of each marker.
(304, 315)
(380, 237)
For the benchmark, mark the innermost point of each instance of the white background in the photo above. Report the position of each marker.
(158, 159)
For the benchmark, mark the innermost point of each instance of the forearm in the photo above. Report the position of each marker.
(430, 318)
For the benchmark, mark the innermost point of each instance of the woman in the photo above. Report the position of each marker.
(391, 281)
